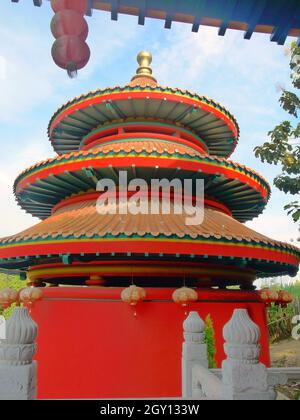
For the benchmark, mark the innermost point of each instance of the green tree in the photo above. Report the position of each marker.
(283, 147)
(13, 282)
(210, 341)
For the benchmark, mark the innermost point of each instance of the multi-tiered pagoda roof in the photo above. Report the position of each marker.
(151, 132)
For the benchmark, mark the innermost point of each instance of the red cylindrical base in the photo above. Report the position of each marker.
(91, 344)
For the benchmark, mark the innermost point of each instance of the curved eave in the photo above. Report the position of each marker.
(43, 186)
(77, 229)
(276, 18)
(208, 119)
(263, 259)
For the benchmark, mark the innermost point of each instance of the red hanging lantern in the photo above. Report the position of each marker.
(30, 295)
(8, 297)
(268, 296)
(69, 22)
(78, 5)
(133, 295)
(184, 296)
(70, 53)
(284, 298)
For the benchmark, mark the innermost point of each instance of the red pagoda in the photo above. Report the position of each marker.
(91, 343)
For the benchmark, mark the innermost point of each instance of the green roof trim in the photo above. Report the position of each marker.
(89, 122)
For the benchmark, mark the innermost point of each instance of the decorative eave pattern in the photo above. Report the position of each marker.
(278, 18)
(54, 179)
(79, 227)
(217, 127)
(147, 147)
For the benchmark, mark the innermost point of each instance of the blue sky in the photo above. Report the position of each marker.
(243, 76)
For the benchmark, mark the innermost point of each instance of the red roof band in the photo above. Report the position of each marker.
(151, 132)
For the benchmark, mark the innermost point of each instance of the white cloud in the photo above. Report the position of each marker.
(29, 80)
(275, 225)
(3, 68)
(109, 40)
(186, 56)
(14, 219)
(32, 78)
(33, 81)
(189, 58)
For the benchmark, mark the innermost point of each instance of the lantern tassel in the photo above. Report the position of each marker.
(72, 70)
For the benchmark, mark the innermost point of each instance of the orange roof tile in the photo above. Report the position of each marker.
(148, 146)
(82, 220)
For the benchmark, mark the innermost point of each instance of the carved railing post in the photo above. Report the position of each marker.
(244, 378)
(194, 351)
(17, 369)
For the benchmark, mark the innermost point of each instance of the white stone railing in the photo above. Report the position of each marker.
(194, 351)
(206, 385)
(242, 376)
(17, 368)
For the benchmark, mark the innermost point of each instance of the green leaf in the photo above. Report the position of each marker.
(283, 146)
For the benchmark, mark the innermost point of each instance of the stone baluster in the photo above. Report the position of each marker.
(194, 351)
(17, 368)
(243, 377)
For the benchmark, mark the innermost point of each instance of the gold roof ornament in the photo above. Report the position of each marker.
(144, 72)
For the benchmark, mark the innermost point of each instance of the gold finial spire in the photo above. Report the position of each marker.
(144, 70)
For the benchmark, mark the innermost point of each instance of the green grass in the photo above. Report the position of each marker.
(293, 289)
